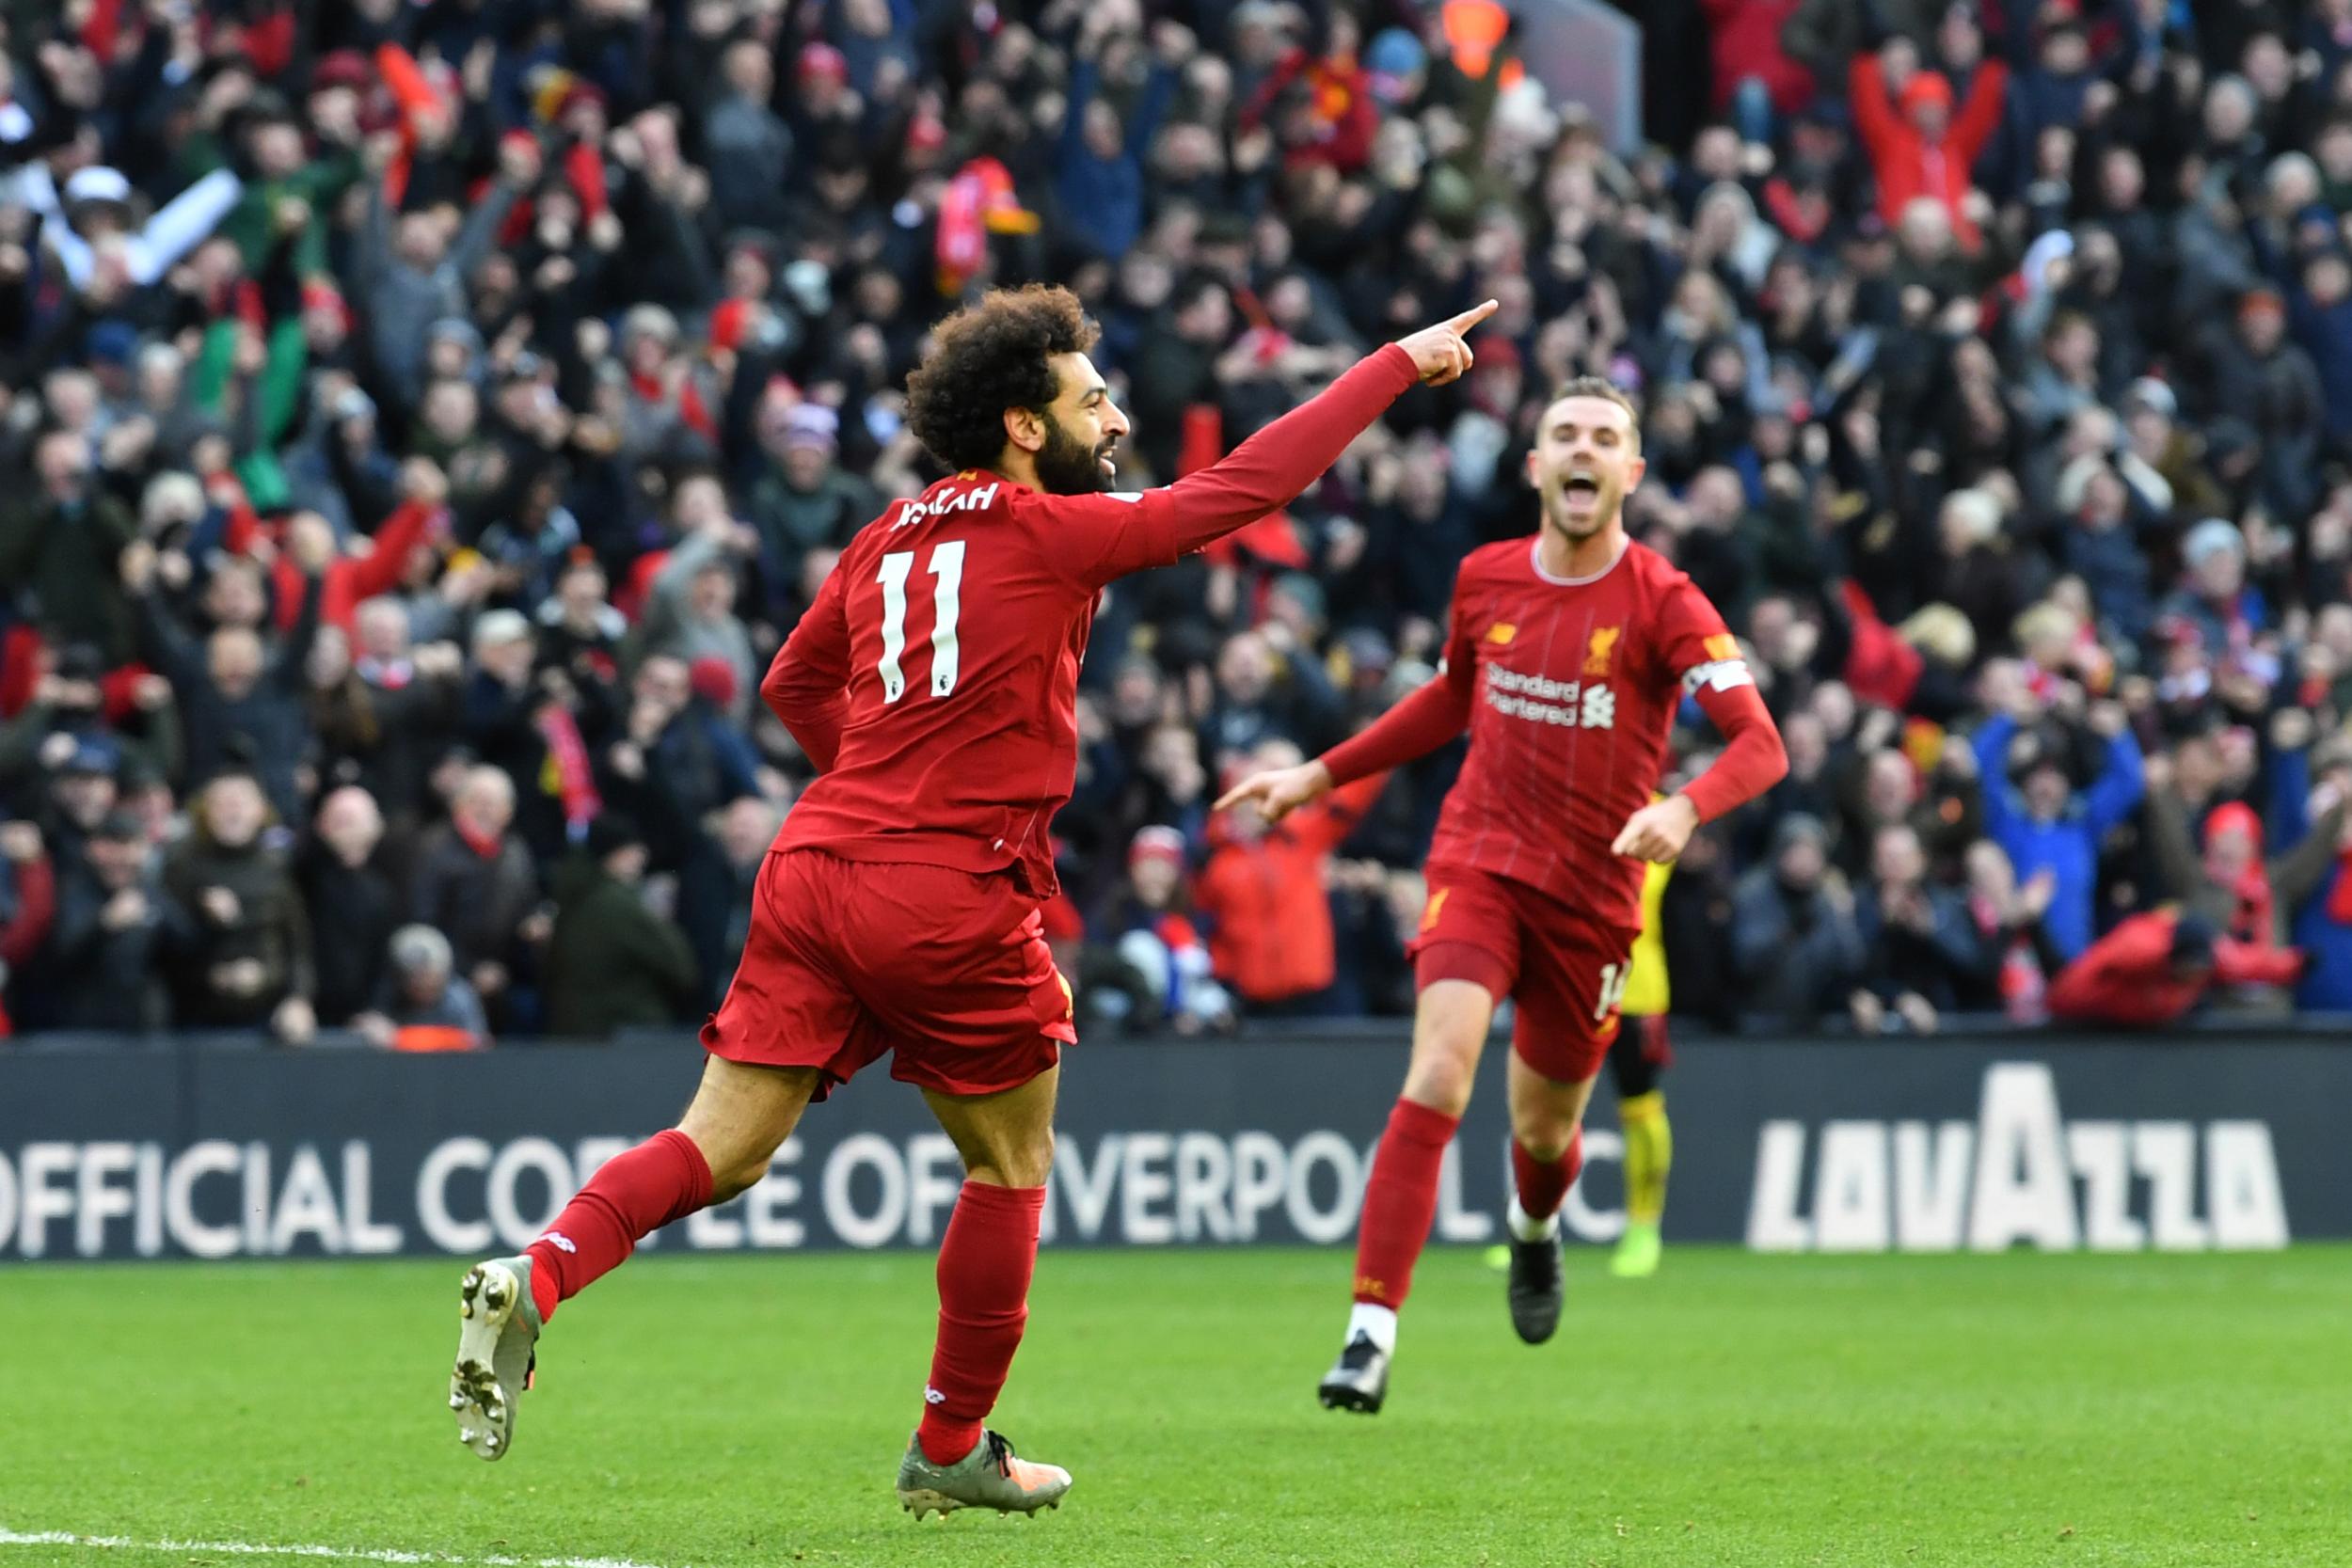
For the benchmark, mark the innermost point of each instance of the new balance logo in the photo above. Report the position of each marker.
(557, 1239)
(933, 1396)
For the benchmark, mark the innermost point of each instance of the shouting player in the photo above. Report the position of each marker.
(1565, 659)
(933, 683)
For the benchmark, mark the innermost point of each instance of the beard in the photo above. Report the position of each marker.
(1067, 466)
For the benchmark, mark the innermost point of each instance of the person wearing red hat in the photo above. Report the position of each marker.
(2226, 878)
(1917, 144)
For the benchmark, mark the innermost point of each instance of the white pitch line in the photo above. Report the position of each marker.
(334, 1554)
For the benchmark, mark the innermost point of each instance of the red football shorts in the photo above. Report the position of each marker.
(947, 971)
(1565, 971)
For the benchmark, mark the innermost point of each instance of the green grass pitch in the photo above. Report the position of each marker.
(1735, 1412)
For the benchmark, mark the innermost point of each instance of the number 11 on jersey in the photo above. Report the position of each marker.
(947, 607)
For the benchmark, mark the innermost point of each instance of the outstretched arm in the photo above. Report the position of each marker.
(1422, 722)
(1981, 113)
(1097, 538)
(2118, 788)
(1425, 720)
(1873, 120)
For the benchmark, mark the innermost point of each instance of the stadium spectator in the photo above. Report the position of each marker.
(247, 961)
(422, 1004)
(245, 702)
(2154, 967)
(2321, 920)
(1919, 949)
(60, 534)
(1098, 172)
(613, 963)
(117, 933)
(1921, 144)
(715, 890)
(1262, 890)
(27, 905)
(690, 614)
(1695, 923)
(475, 882)
(381, 707)
(352, 903)
(411, 272)
(1148, 966)
(1992, 364)
(1795, 948)
(2018, 957)
(804, 500)
(2038, 819)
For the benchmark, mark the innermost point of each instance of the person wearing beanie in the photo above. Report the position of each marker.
(2217, 869)
(1920, 144)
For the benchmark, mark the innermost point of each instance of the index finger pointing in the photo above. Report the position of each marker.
(1472, 316)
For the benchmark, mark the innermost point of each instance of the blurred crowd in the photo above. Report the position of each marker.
(420, 422)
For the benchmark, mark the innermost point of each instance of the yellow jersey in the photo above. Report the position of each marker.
(1645, 990)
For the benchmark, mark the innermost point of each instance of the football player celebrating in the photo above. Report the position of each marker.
(1567, 657)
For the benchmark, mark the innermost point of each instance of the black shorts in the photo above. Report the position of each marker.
(1640, 1054)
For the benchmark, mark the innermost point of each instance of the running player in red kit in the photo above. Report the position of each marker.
(935, 684)
(1566, 657)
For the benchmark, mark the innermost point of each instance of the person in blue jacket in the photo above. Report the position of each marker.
(2044, 823)
(2321, 917)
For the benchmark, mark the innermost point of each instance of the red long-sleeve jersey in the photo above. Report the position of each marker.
(934, 682)
(1568, 689)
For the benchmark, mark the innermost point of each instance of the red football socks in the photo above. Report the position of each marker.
(1543, 1184)
(985, 1261)
(630, 1196)
(1400, 1201)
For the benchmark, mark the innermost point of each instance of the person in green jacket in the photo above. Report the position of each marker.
(63, 543)
(613, 963)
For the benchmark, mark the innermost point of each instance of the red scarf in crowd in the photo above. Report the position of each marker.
(568, 772)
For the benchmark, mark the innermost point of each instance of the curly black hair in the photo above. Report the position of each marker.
(989, 357)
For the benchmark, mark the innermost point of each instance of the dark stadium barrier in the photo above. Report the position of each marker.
(194, 1149)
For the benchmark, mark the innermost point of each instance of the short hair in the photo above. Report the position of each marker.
(989, 357)
(499, 627)
(1608, 391)
(421, 950)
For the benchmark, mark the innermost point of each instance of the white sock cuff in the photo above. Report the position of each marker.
(1375, 1322)
(1527, 1228)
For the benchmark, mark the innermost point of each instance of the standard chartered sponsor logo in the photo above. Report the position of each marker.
(1541, 700)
